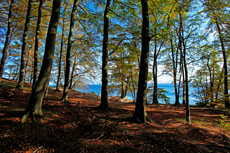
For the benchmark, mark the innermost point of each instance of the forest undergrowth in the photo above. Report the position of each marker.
(79, 126)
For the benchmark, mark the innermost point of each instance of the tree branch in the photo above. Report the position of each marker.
(116, 47)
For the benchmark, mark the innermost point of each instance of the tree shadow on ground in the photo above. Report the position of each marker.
(81, 127)
(11, 113)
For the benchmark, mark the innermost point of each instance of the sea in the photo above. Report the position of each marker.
(96, 89)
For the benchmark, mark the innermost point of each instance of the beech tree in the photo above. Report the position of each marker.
(104, 90)
(67, 69)
(7, 41)
(61, 52)
(34, 107)
(140, 114)
(218, 12)
(159, 11)
(23, 53)
(227, 104)
(37, 42)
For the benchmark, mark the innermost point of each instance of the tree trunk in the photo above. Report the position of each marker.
(67, 70)
(26, 64)
(16, 72)
(72, 74)
(34, 106)
(7, 41)
(183, 86)
(31, 77)
(26, 68)
(218, 85)
(11, 67)
(211, 83)
(37, 43)
(155, 99)
(187, 90)
(185, 72)
(140, 113)
(174, 74)
(122, 89)
(61, 51)
(182, 70)
(226, 99)
(132, 84)
(104, 91)
(24, 45)
(126, 87)
(47, 88)
(179, 86)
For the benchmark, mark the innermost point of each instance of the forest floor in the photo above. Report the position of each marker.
(79, 126)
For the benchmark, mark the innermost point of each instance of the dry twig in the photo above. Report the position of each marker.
(37, 149)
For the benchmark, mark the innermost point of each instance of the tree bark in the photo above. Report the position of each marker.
(132, 84)
(37, 43)
(72, 74)
(155, 99)
(226, 96)
(183, 85)
(7, 41)
(47, 88)
(60, 57)
(185, 72)
(67, 70)
(219, 84)
(26, 64)
(11, 67)
(34, 106)
(182, 68)
(104, 91)
(24, 45)
(174, 74)
(26, 67)
(16, 72)
(31, 77)
(211, 83)
(140, 113)
(187, 89)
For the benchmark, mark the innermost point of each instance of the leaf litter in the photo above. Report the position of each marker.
(79, 126)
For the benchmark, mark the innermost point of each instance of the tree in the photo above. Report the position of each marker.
(158, 31)
(18, 26)
(60, 55)
(187, 36)
(140, 113)
(23, 53)
(61, 48)
(218, 11)
(34, 107)
(71, 85)
(183, 49)
(227, 104)
(123, 66)
(70, 41)
(37, 43)
(175, 63)
(123, 58)
(104, 90)
(174, 58)
(7, 41)
(156, 53)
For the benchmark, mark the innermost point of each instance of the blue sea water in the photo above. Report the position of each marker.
(96, 88)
